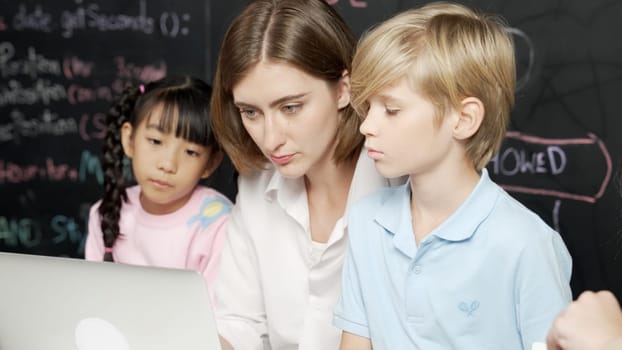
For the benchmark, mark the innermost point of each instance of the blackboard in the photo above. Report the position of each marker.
(561, 158)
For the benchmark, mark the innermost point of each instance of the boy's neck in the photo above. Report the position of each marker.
(437, 195)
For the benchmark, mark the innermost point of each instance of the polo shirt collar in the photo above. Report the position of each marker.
(395, 216)
(461, 225)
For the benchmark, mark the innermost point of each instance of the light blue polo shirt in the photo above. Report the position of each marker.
(492, 276)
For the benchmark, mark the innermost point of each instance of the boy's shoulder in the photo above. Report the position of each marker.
(515, 211)
(379, 198)
(517, 223)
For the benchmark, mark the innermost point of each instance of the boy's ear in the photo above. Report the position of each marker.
(126, 139)
(471, 115)
(343, 90)
(215, 157)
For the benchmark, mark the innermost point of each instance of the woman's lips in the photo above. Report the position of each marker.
(282, 160)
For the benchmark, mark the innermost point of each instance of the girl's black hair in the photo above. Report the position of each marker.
(184, 100)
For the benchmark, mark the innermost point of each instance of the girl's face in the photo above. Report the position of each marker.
(292, 116)
(166, 167)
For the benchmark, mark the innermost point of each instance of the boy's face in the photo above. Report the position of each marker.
(401, 134)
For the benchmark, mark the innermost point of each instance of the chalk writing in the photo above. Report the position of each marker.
(90, 17)
(171, 24)
(42, 91)
(146, 73)
(37, 20)
(26, 232)
(50, 170)
(16, 232)
(90, 165)
(555, 215)
(513, 161)
(96, 122)
(12, 173)
(552, 160)
(47, 123)
(66, 229)
(80, 94)
(33, 65)
(526, 57)
(75, 67)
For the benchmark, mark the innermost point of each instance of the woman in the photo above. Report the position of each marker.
(281, 111)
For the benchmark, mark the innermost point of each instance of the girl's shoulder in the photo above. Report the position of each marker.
(208, 206)
(204, 193)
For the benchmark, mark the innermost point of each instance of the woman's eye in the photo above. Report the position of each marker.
(291, 109)
(248, 113)
(154, 141)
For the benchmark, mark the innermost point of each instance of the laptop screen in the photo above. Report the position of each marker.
(52, 303)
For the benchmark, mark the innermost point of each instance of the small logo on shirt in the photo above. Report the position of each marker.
(469, 308)
(211, 209)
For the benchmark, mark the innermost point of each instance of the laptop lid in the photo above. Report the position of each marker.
(51, 303)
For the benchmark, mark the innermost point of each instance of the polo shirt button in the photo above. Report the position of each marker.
(417, 269)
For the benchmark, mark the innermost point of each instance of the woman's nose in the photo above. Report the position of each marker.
(273, 133)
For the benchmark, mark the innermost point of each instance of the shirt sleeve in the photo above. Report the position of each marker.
(94, 246)
(349, 312)
(240, 312)
(543, 286)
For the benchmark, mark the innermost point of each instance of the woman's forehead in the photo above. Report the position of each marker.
(269, 81)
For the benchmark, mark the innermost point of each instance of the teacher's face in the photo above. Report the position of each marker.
(291, 116)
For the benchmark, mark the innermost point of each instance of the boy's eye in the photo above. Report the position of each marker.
(154, 141)
(291, 109)
(391, 111)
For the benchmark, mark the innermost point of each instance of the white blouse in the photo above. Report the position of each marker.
(276, 285)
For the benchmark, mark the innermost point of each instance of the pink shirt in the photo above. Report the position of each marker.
(190, 238)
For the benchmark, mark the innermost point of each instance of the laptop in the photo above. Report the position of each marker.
(52, 303)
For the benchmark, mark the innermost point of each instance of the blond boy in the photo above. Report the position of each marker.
(449, 260)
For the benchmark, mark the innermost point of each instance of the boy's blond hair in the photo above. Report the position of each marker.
(447, 52)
